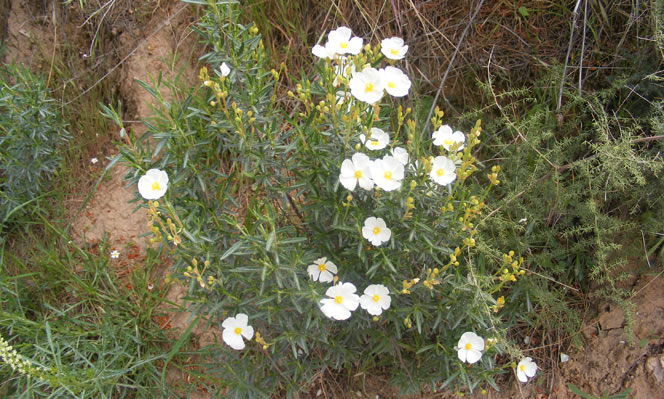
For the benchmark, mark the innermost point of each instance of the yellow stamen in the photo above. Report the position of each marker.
(373, 143)
(391, 85)
(448, 142)
(522, 367)
(321, 267)
(338, 299)
(368, 87)
(375, 298)
(237, 330)
(394, 51)
(467, 347)
(155, 186)
(388, 175)
(376, 230)
(343, 45)
(358, 174)
(440, 172)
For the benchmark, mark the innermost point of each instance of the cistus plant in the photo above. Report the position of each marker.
(323, 231)
(31, 130)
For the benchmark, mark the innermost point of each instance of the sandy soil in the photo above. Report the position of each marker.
(606, 362)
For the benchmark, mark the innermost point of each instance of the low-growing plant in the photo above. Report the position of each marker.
(31, 131)
(69, 327)
(262, 208)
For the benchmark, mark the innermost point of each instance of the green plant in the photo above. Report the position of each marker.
(605, 394)
(69, 327)
(32, 131)
(254, 199)
(588, 178)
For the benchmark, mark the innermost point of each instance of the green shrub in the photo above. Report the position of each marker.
(254, 198)
(588, 193)
(31, 130)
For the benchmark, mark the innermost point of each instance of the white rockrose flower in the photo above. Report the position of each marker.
(376, 231)
(396, 82)
(341, 302)
(376, 299)
(446, 137)
(387, 173)
(367, 86)
(393, 48)
(356, 170)
(153, 184)
(235, 328)
(470, 347)
(443, 170)
(378, 139)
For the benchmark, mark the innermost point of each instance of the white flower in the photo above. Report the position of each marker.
(393, 48)
(470, 347)
(387, 173)
(445, 137)
(322, 270)
(342, 300)
(94, 161)
(443, 170)
(115, 254)
(367, 86)
(376, 298)
(376, 231)
(564, 358)
(339, 41)
(321, 52)
(396, 82)
(378, 139)
(526, 369)
(153, 184)
(234, 329)
(356, 170)
(224, 69)
(400, 154)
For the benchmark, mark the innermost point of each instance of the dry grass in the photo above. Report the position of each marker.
(522, 40)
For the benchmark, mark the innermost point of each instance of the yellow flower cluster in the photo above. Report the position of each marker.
(430, 280)
(467, 166)
(194, 273)
(500, 302)
(408, 284)
(261, 341)
(173, 232)
(437, 118)
(493, 176)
